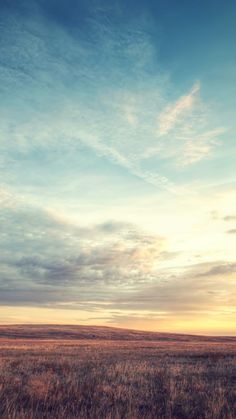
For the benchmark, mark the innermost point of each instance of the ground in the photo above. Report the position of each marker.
(91, 372)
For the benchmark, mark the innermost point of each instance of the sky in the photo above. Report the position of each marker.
(117, 164)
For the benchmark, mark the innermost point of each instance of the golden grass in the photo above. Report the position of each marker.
(111, 379)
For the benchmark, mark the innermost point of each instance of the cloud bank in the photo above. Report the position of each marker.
(47, 261)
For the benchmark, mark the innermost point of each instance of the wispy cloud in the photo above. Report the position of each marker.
(99, 93)
(200, 146)
(177, 111)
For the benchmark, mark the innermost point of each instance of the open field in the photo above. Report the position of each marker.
(92, 372)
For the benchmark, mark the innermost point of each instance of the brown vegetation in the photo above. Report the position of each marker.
(59, 377)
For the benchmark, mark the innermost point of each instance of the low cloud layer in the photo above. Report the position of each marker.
(39, 252)
(47, 261)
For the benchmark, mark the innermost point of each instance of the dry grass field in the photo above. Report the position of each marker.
(78, 372)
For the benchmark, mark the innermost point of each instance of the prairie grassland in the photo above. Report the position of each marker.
(93, 378)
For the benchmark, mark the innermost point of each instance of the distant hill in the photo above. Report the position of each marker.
(97, 333)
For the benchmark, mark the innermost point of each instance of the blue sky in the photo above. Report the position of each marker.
(118, 163)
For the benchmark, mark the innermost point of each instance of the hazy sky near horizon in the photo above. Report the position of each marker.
(117, 162)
